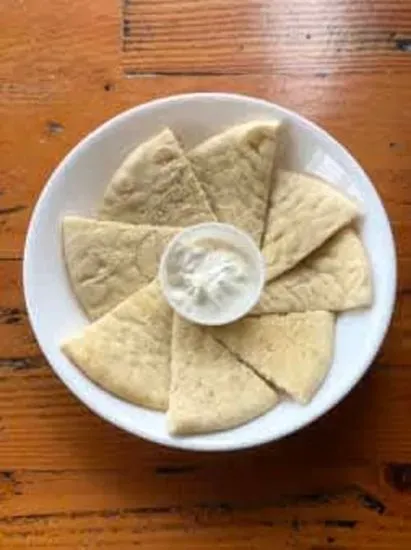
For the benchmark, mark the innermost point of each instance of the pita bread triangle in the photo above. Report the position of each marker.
(335, 277)
(108, 261)
(235, 169)
(210, 388)
(127, 351)
(304, 212)
(156, 185)
(293, 352)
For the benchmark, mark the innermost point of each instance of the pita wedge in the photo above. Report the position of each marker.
(127, 351)
(335, 277)
(304, 212)
(235, 170)
(292, 351)
(156, 185)
(211, 389)
(108, 261)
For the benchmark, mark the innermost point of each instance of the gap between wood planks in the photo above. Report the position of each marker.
(353, 493)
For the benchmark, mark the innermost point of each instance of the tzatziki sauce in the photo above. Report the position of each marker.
(211, 278)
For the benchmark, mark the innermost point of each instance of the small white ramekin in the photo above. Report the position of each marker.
(238, 240)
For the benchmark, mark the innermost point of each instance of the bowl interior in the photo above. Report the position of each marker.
(76, 187)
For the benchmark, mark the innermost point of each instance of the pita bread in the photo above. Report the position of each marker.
(210, 389)
(336, 277)
(235, 169)
(156, 185)
(127, 351)
(108, 261)
(304, 213)
(292, 351)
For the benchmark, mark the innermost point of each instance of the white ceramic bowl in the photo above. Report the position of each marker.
(77, 186)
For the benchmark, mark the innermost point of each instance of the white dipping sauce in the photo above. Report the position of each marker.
(207, 277)
(212, 273)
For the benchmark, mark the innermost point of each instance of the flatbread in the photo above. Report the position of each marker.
(108, 261)
(292, 351)
(156, 185)
(335, 277)
(127, 351)
(305, 212)
(235, 169)
(210, 389)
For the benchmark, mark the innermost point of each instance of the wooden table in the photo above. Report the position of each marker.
(70, 481)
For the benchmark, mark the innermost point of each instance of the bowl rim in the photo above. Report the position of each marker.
(228, 444)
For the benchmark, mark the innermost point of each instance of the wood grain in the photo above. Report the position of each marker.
(68, 480)
(45, 427)
(239, 36)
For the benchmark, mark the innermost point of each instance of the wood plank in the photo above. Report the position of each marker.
(32, 70)
(176, 480)
(85, 41)
(166, 482)
(396, 349)
(294, 37)
(339, 526)
(15, 334)
(42, 426)
(170, 37)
